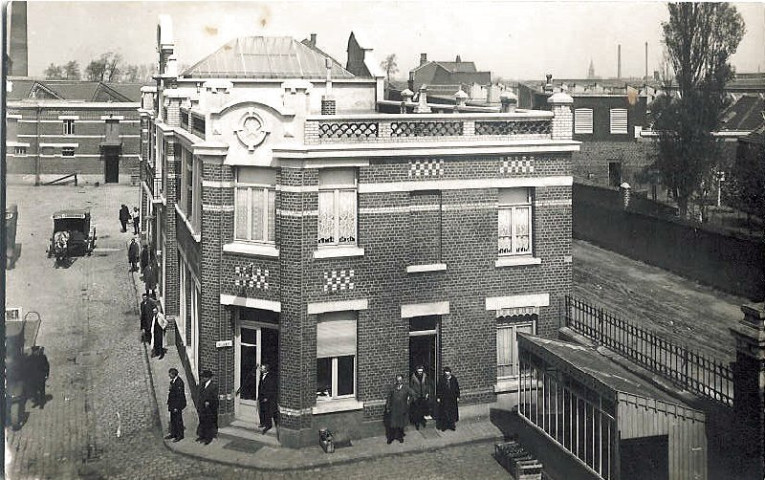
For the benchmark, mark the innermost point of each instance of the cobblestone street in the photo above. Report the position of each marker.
(101, 420)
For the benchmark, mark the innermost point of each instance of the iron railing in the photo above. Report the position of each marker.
(697, 373)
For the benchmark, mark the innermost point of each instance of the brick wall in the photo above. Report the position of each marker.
(590, 164)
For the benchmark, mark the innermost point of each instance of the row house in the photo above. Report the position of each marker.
(295, 224)
(63, 127)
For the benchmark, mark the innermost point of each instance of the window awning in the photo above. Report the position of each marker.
(335, 338)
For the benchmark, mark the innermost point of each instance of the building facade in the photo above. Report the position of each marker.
(57, 128)
(295, 225)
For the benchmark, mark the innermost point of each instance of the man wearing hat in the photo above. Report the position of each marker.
(207, 408)
(421, 386)
(38, 371)
(448, 397)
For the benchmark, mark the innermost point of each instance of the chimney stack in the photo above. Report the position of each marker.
(313, 39)
(410, 84)
(646, 60)
(619, 61)
(548, 85)
(328, 105)
(458, 59)
(423, 58)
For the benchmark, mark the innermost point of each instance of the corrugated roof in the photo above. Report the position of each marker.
(265, 57)
(744, 114)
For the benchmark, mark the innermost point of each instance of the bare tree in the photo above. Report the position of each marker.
(72, 70)
(700, 38)
(390, 65)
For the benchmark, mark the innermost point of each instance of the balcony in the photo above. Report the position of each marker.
(460, 127)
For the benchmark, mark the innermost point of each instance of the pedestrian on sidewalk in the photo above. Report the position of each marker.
(448, 397)
(144, 257)
(207, 408)
(38, 371)
(158, 326)
(421, 387)
(176, 402)
(267, 408)
(397, 409)
(124, 217)
(147, 315)
(133, 255)
(136, 221)
(150, 280)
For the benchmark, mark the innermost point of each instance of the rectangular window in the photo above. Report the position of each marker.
(336, 356)
(514, 221)
(68, 126)
(20, 151)
(619, 120)
(255, 217)
(583, 120)
(195, 213)
(337, 207)
(67, 151)
(507, 343)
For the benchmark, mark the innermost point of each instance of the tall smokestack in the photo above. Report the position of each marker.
(646, 61)
(19, 55)
(619, 62)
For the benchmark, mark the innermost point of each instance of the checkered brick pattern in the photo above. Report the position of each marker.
(337, 280)
(522, 164)
(426, 168)
(251, 277)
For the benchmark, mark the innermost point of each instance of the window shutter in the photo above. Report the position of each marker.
(583, 120)
(336, 338)
(618, 120)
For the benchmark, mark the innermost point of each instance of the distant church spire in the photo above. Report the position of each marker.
(591, 71)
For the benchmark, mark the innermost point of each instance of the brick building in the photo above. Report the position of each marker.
(295, 224)
(60, 127)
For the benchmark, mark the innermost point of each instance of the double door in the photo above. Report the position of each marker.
(256, 344)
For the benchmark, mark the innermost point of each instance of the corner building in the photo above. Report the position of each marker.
(295, 224)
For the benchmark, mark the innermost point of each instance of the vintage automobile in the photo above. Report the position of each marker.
(73, 234)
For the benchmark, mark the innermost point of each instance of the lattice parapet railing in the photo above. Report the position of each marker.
(349, 130)
(426, 129)
(495, 127)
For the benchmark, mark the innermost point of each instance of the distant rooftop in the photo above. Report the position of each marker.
(265, 57)
(73, 90)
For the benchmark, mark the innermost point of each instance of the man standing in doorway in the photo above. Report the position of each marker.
(176, 402)
(207, 408)
(421, 386)
(147, 315)
(267, 393)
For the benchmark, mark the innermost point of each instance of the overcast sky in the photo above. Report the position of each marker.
(511, 39)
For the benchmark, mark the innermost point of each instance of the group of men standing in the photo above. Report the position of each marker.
(207, 407)
(127, 217)
(413, 402)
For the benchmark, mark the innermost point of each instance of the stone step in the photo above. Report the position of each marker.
(248, 431)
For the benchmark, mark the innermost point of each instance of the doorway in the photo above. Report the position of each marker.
(111, 165)
(257, 342)
(614, 174)
(424, 346)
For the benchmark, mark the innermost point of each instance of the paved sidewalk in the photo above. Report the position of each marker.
(246, 447)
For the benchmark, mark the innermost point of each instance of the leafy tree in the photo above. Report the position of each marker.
(700, 38)
(106, 68)
(72, 70)
(54, 72)
(390, 65)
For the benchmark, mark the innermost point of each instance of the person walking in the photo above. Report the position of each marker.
(133, 255)
(136, 221)
(448, 397)
(421, 388)
(207, 408)
(147, 314)
(124, 217)
(176, 402)
(158, 326)
(38, 371)
(397, 409)
(267, 393)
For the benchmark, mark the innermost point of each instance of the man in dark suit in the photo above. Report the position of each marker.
(207, 408)
(448, 397)
(267, 393)
(147, 313)
(176, 402)
(38, 370)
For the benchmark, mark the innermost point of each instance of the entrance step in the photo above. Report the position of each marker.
(239, 429)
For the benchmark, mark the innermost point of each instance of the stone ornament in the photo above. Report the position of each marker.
(252, 130)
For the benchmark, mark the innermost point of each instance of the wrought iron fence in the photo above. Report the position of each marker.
(684, 367)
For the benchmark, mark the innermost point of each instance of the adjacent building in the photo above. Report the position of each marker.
(65, 127)
(295, 224)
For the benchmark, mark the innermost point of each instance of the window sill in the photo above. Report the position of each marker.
(334, 252)
(516, 261)
(258, 250)
(433, 267)
(339, 405)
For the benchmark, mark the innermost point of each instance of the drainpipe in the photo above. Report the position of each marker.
(37, 149)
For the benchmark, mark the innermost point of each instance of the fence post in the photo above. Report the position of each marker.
(599, 331)
(749, 391)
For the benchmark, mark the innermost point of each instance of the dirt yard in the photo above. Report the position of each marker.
(686, 312)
